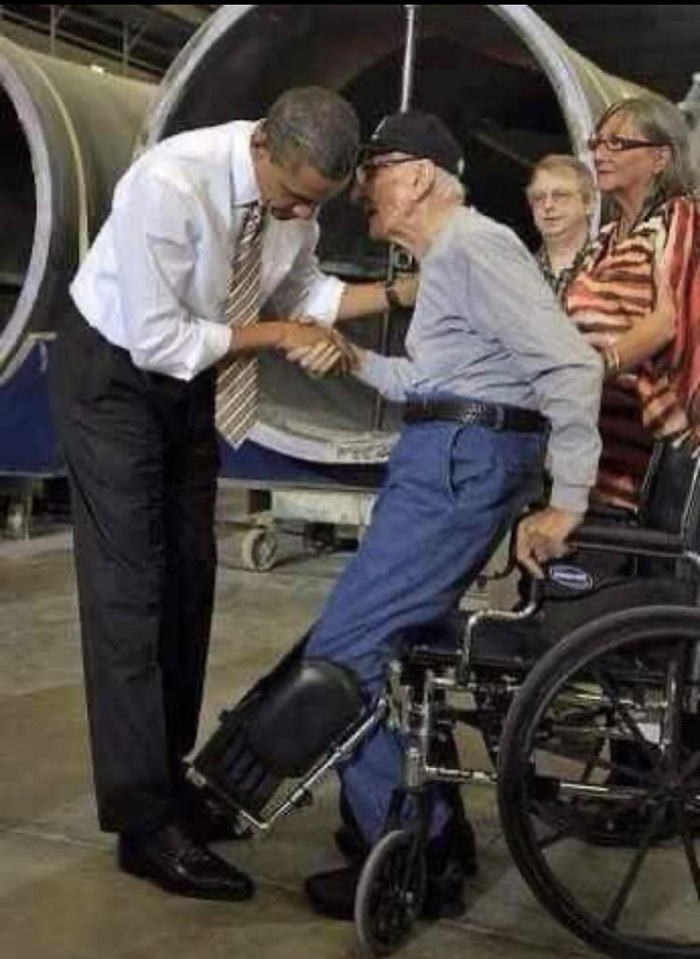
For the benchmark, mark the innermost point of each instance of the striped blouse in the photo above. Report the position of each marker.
(617, 284)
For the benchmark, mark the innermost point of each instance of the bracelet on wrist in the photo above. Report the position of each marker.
(611, 360)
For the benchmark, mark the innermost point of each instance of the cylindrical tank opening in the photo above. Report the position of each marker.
(17, 208)
(472, 69)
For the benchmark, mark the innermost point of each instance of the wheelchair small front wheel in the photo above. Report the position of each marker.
(390, 893)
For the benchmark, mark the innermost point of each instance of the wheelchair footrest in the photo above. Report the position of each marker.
(280, 729)
(232, 769)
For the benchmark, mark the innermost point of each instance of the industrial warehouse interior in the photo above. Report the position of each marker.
(572, 702)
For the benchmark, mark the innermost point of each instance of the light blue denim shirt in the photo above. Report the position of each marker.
(486, 326)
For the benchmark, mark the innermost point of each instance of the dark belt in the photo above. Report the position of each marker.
(495, 416)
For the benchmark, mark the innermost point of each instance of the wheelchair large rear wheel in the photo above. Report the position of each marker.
(599, 783)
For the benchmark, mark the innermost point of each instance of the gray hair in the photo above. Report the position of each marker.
(315, 126)
(660, 122)
(564, 161)
(448, 187)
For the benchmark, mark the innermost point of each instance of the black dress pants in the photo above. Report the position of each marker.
(142, 458)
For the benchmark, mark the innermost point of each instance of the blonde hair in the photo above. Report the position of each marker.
(564, 161)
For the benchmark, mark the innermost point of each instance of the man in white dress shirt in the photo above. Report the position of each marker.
(134, 395)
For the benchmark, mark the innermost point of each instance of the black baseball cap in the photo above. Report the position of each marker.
(418, 134)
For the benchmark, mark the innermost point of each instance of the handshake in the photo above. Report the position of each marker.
(318, 350)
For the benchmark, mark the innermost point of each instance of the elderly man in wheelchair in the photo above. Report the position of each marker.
(585, 696)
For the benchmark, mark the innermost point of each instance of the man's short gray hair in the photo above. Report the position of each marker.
(315, 126)
(448, 187)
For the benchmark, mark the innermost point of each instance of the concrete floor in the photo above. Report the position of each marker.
(60, 894)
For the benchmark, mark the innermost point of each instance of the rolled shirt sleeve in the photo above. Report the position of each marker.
(155, 242)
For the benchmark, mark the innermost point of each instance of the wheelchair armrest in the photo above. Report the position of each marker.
(628, 539)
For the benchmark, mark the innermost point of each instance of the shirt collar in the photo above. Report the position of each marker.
(542, 257)
(244, 183)
(560, 281)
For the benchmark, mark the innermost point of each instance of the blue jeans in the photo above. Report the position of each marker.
(450, 495)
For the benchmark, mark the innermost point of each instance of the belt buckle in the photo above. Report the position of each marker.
(470, 416)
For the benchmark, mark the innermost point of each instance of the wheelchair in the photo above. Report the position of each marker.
(587, 698)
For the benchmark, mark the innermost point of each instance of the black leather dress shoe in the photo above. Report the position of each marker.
(174, 861)
(450, 859)
(332, 893)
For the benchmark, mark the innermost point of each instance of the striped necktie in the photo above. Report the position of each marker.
(237, 385)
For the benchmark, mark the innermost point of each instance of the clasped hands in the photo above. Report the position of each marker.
(319, 350)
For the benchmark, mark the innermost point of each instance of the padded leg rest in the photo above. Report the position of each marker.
(289, 720)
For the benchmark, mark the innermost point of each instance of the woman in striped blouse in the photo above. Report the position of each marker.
(637, 295)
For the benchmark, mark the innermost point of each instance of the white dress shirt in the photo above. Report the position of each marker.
(155, 280)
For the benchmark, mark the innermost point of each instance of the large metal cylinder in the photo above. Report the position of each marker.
(67, 133)
(690, 108)
(509, 87)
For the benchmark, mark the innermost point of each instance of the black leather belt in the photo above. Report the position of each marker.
(495, 416)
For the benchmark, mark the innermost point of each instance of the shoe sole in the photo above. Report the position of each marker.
(178, 890)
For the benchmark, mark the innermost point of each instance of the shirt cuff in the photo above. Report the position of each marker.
(215, 344)
(323, 303)
(567, 496)
(375, 370)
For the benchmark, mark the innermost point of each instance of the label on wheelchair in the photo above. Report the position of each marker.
(570, 577)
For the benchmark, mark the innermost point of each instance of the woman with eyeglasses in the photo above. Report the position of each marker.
(637, 295)
(637, 299)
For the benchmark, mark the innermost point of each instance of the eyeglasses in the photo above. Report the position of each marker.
(367, 170)
(617, 144)
(556, 196)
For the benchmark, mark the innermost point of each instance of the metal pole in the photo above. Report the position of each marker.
(55, 14)
(125, 47)
(409, 59)
(52, 30)
(407, 81)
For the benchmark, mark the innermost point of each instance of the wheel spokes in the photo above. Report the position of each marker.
(628, 720)
(688, 847)
(613, 915)
(670, 745)
(603, 794)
